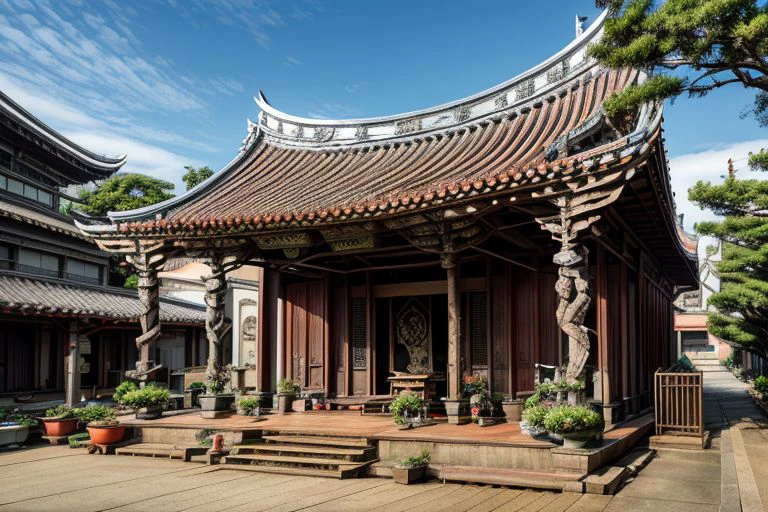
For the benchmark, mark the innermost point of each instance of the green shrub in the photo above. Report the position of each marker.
(288, 387)
(124, 387)
(145, 397)
(405, 403)
(17, 416)
(60, 412)
(535, 415)
(761, 385)
(197, 385)
(415, 460)
(217, 379)
(567, 419)
(532, 401)
(96, 413)
(248, 404)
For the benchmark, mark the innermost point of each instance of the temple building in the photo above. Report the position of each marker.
(55, 301)
(500, 234)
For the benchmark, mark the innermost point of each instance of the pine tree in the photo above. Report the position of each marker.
(718, 43)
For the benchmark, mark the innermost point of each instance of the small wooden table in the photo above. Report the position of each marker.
(422, 385)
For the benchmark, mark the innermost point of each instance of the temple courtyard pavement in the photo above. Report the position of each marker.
(731, 476)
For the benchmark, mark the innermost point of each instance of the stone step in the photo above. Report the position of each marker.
(289, 465)
(286, 471)
(171, 451)
(702, 355)
(351, 454)
(340, 442)
(706, 362)
(545, 480)
(708, 369)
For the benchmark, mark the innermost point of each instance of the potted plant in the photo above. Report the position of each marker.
(147, 402)
(287, 390)
(101, 424)
(249, 406)
(577, 424)
(14, 427)
(533, 420)
(411, 469)
(406, 408)
(512, 408)
(192, 394)
(125, 387)
(216, 400)
(59, 421)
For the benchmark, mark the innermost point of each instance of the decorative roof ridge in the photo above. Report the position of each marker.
(78, 151)
(535, 83)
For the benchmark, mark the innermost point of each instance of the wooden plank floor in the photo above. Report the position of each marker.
(59, 478)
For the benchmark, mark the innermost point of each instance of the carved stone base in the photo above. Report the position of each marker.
(457, 411)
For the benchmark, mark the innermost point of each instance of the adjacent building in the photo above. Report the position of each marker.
(55, 301)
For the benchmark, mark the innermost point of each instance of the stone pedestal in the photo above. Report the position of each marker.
(457, 411)
(513, 410)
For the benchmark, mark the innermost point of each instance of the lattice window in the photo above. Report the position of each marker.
(357, 335)
(478, 328)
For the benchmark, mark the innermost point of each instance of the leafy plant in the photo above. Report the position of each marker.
(761, 385)
(248, 404)
(567, 419)
(535, 415)
(78, 440)
(124, 387)
(17, 416)
(288, 387)
(145, 397)
(406, 406)
(415, 461)
(96, 414)
(204, 436)
(60, 412)
(197, 385)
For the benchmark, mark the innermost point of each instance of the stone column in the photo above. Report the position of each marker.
(215, 292)
(72, 384)
(456, 407)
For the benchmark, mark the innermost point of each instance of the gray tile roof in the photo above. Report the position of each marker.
(32, 296)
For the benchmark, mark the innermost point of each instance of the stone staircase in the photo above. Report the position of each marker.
(706, 361)
(307, 455)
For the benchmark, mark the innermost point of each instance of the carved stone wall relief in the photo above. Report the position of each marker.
(249, 332)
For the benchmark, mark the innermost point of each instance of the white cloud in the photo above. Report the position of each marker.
(292, 62)
(709, 165)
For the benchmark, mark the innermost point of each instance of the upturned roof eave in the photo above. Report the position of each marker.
(107, 165)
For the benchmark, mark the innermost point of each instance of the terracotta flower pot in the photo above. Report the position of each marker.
(407, 476)
(106, 434)
(56, 428)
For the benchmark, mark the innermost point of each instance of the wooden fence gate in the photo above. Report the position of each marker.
(679, 403)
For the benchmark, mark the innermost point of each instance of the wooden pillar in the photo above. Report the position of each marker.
(72, 384)
(215, 292)
(454, 338)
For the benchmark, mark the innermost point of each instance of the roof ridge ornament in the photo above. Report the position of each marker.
(580, 24)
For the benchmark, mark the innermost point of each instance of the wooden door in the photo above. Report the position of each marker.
(305, 333)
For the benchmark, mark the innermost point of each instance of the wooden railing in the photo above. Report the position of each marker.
(679, 403)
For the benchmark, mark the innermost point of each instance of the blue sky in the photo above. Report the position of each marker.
(170, 82)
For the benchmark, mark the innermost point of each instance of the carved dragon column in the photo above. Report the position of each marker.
(578, 208)
(215, 325)
(147, 266)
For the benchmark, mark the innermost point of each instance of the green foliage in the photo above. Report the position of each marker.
(567, 419)
(17, 416)
(205, 436)
(61, 412)
(197, 385)
(96, 413)
(761, 385)
(195, 176)
(719, 42)
(406, 405)
(132, 282)
(123, 388)
(415, 461)
(78, 440)
(288, 387)
(532, 401)
(125, 191)
(145, 397)
(248, 404)
(728, 361)
(535, 415)
(759, 161)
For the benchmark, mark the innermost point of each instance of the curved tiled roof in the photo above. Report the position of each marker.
(30, 296)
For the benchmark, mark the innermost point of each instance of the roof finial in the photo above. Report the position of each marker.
(580, 24)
